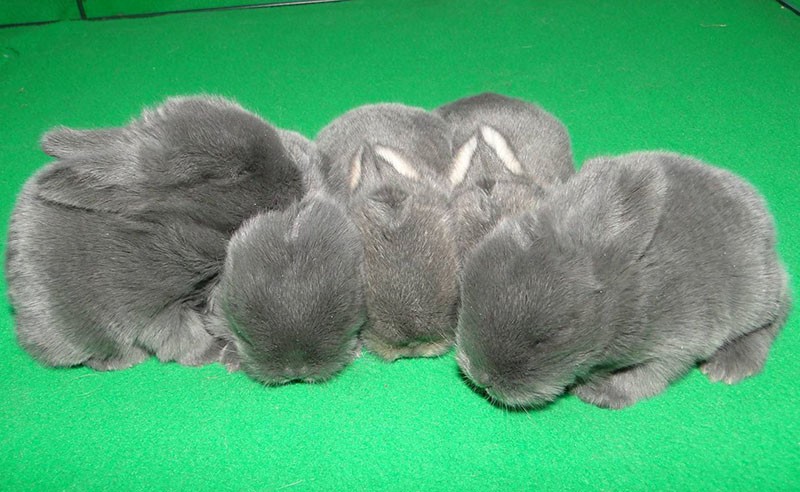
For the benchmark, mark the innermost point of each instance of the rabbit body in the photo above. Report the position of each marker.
(623, 279)
(389, 163)
(114, 248)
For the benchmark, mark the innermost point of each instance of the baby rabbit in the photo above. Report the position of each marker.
(623, 279)
(508, 153)
(114, 248)
(290, 300)
(389, 163)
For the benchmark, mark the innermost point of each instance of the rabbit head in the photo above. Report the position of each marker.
(179, 158)
(290, 298)
(533, 292)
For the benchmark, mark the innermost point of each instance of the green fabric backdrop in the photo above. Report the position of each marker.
(105, 8)
(718, 79)
(23, 11)
(28, 11)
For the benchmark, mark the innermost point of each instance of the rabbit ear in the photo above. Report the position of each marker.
(302, 221)
(356, 166)
(84, 185)
(397, 161)
(500, 146)
(616, 208)
(519, 234)
(486, 155)
(63, 142)
(463, 161)
(379, 163)
(313, 215)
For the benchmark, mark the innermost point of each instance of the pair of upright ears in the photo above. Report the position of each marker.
(382, 161)
(465, 157)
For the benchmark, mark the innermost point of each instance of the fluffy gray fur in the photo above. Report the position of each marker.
(113, 249)
(308, 159)
(290, 300)
(389, 163)
(621, 281)
(492, 135)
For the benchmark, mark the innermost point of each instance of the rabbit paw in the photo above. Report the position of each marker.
(625, 387)
(201, 358)
(604, 394)
(730, 366)
(130, 358)
(229, 357)
(739, 358)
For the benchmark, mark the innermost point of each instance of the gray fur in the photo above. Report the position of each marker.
(410, 256)
(621, 281)
(486, 189)
(305, 154)
(290, 299)
(114, 248)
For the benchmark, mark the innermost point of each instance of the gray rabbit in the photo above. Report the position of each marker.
(290, 300)
(507, 154)
(389, 163)
(114, 248)
(622, 280)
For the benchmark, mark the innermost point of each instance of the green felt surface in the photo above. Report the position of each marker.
(106, 8)
(22, 11)
(718, 79)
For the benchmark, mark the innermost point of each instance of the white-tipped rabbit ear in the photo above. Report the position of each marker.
(463, 161)
(63, 142)
(356, 167)
(397, 161)
(500, 146)
(372, 164)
